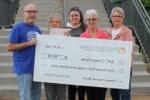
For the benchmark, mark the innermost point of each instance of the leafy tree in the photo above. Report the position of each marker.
(146, 4)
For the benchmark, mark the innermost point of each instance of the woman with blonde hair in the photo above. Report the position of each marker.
(55, 91)
(54, 20)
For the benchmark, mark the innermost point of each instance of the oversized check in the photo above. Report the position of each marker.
(82, 61)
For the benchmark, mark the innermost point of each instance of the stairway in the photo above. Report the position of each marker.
(8, 85)
(140, 77)
(89, 4)
(45, 7)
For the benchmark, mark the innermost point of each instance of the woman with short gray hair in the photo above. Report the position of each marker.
(120, 32)
(117, 9)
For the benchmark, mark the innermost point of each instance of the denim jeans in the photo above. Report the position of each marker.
(55, 91)
(125, 94)
(28, 90)
(122, 94)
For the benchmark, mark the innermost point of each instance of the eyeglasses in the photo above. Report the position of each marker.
(31, 11)
(116, 16)
(91, 19)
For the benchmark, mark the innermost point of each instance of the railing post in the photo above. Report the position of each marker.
(64, 12)
(148, 67)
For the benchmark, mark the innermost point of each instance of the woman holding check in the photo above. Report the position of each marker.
(92, 31)
(120, 32)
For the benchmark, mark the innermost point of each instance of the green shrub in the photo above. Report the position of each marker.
(146, 4)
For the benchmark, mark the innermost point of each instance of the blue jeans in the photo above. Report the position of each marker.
(28, 90)
(122, 94)
(125, 94)
(55, 91)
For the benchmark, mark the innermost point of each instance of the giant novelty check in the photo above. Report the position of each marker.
(83, 61)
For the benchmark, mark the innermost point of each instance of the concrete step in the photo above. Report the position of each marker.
(45, 9)
(140, 77)
(3, 48)
(9, 90)
(6, 67)
(141, 88)
(83, 8)
(90, 4)
(8, 78)
(54, 2)
(41, 3)
(138, 56)
(12, 91)
(137, 89)
(37, 1)
(4, 32)
(139, 66)
(6, 57)
(3, 39)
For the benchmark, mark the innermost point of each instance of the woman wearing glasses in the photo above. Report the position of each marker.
(120, 32)
(92, 31)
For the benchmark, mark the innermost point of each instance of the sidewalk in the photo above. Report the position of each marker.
(107, 98)
(136, 98)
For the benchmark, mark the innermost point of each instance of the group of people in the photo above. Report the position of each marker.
(22, 42)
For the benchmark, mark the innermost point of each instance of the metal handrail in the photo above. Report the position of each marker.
(146, 21)
(136, 16)
(144, 13)
(64, 12)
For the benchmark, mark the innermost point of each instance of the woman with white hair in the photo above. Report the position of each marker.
(120, 32)
(92, 31)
